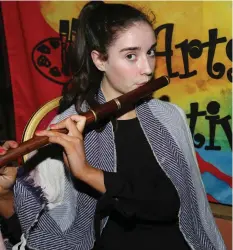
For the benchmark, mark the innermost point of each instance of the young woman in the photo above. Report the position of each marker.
(135, 183)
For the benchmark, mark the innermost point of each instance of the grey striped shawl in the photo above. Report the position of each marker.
(167, 133)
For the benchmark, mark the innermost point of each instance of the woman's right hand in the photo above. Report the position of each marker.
(7, 173)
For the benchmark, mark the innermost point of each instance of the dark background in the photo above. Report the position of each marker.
(7, 124)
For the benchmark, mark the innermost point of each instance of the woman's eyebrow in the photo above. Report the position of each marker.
(153, 45)
(136, 48)
(130, 49)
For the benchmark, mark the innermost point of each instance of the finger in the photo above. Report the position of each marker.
(2, 151)
(51, 134)
(8, 170)
(69, 125)
(59, 125)
(10, 144)
(69, 147)
(72, 128)
(2, 170)
(48, 133)
(81, 121)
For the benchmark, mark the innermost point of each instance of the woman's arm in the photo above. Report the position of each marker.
(116, 189)
(7, 180)
(10, 226)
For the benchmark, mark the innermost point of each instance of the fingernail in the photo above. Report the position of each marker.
(2, 150)
(38, 131)
(52, 125)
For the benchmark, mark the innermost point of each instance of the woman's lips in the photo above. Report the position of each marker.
(141, 84)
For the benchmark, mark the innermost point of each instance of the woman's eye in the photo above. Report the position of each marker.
(151, 52)
(131, 57)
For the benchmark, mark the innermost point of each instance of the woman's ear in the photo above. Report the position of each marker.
(98, 60)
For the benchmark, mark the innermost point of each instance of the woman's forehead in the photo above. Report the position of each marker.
(138, 35)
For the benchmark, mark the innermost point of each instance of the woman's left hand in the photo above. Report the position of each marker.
(74, 152)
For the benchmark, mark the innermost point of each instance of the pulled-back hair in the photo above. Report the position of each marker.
(98, 26)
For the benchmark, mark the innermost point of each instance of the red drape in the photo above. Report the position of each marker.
(34, 51)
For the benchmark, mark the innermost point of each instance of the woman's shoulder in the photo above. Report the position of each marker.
(166, 107)
(169, 114)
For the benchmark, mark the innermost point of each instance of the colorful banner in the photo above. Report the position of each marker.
(194, 49)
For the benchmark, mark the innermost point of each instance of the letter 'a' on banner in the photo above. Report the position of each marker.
(197, 55)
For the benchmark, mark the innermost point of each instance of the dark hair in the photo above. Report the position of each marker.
(98, 27)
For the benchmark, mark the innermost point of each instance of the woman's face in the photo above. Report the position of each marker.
(131, 61)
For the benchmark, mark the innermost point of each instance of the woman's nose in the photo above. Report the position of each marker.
(147, 67)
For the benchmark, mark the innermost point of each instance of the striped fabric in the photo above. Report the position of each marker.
(167, 133)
